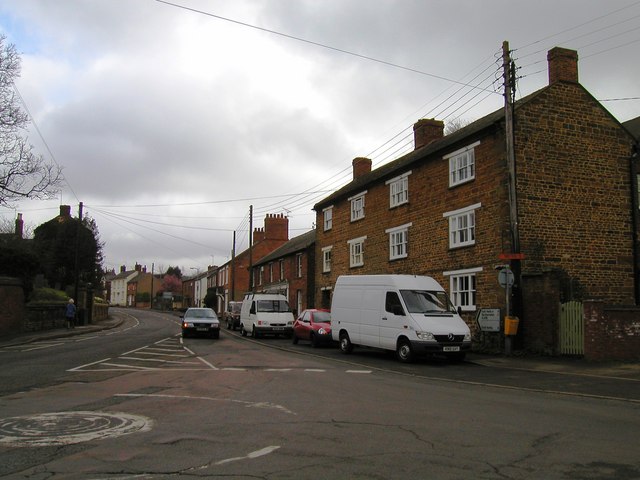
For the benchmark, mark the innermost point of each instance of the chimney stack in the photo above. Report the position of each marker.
(563, 65)
(19, 226)
(426, 131)
(65, 210)
(361, 166)
(123, 268)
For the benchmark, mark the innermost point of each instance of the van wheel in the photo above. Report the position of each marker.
(255, 333)
(345, 343)
(404, 352)
(243, 332)
(294, 339)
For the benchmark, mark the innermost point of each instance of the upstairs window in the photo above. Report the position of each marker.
(462, 165)
(398, 190)
(326, 259)
(328, 218)
(398, 241)
(299, 265)
(462, 226)
(271, 273)
(356, 252)
(357, 206)
(281, 270)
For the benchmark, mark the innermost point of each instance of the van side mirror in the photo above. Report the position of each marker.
(397, 310)
(253, 308)
(459, 310)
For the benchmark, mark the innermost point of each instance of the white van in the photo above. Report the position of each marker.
(411, 315)
(265, 313)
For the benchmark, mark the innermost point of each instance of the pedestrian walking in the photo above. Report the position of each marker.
(70, 315)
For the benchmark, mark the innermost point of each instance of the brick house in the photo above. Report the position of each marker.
(289, 270)
(443, 210)
(233, 280)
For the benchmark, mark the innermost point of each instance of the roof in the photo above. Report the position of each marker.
(126, 274)
(439, 147)
(633, 126)
(296, 244)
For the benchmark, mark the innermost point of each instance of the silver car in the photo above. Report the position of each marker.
(202, 321)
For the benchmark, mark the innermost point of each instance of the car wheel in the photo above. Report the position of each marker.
(345, 343)
(216, 335)
(294, 339)
(243, 332)
(228, 325)
(314, 340)
(404, 352)
(184, 334)
(255, 333)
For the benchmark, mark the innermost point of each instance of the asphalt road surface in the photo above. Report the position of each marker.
(140, 402)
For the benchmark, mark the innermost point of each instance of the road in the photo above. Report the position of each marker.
(139, 402)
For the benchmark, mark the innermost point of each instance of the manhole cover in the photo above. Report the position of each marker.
(66, 428)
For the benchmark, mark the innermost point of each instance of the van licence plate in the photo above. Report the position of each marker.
(450, 349)
(202, 329)
(278, 328)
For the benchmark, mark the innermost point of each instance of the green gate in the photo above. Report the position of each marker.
(571, 335)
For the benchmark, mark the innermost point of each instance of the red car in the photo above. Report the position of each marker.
(313, 325)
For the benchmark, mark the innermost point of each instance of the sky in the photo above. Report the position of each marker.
(171, 119)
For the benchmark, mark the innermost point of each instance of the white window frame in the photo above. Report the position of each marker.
(271, 272)
(327, 214)
(398, 190)
(299, 265)
(399, 241)
(326, 259)
(356, 252)
(462, 165)
(462, 226)
(357, 206)
(464, 297)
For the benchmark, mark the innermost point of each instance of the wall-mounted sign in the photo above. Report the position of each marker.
(488, 319)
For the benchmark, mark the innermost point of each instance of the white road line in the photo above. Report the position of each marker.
(234, 369)
(157, 360)
(320, 370)
(88, 365)
(129, 367)
(161, 354)
(256, 454)
(48, 345)
(207, 363)
(277, 369)
(358, 371)
(136, 350)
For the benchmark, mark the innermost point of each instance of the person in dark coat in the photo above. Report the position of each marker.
(70, 314)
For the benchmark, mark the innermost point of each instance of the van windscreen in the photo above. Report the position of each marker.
(273, 306)
(423, 301)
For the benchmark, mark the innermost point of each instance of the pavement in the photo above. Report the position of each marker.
(517, 361)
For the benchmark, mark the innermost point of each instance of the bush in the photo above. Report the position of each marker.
(48, 295)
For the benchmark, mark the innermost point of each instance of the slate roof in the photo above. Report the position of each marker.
(296, 244)
(633, 126)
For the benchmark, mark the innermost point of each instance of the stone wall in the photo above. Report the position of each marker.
(11, 305)
(611, 332)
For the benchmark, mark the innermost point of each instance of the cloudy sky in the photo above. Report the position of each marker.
(171, 118)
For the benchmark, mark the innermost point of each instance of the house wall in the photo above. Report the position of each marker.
(611, 332)
(428, 250)
(575, 194)
(12, 310)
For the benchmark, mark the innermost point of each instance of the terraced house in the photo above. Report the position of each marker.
(446, 210)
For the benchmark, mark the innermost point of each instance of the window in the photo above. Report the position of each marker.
(357, 206)
(462, 285)
(261, 275)
(328, 218)
(462, 165)
(356, 252)
(462, 226)
(398, 241)
(299, 265)
(271, 273)
(392, 304)
(398, 190)
(281, 270)
(326, 259)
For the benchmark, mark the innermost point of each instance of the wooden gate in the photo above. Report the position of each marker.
(571, 335)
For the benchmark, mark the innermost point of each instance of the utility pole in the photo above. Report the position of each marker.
(151, 293)
(251, 248)
(512, 307)
(233, 268)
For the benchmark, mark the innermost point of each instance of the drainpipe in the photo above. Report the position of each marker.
(635, 218)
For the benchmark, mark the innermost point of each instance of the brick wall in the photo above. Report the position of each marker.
(11, 305)
(611, 332)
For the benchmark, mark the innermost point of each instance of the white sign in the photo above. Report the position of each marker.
(505, 278)
(489, 319)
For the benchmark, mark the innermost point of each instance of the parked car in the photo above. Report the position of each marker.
(231, 316)
(200, 321)
(314, 325)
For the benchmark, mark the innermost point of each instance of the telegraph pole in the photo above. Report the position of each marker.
(251, 248)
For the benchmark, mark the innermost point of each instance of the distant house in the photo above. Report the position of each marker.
(121, 295)
(568, 228)
(289, 270)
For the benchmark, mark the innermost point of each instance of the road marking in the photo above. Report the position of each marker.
(320, 370)
(247, 404)
(358, 371)
(277, 369)
(258, 453)
(88, 365)
(206, 363)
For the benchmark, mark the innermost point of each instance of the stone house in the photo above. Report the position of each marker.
(445, 210)
(289, 270)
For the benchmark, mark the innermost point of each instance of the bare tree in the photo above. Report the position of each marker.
(23, 174)
(456, 124)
